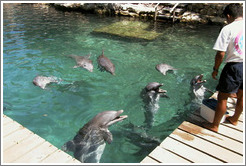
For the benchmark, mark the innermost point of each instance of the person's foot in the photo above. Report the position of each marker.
(230, 119)
(210, 126)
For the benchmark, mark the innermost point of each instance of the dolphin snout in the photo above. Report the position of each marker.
(122, 117)
(121, 111)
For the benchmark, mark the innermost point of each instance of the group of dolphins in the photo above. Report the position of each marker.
(104, 64)
(89, 142)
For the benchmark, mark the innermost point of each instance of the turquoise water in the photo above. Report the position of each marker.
(35, 40)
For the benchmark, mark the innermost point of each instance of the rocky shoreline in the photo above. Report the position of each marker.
(205, 13)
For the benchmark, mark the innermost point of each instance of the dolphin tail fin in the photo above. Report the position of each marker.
(68, 146)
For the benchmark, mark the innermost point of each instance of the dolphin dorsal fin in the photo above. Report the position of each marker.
(102, 52)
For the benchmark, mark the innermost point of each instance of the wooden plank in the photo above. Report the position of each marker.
(212, 137)
(239, 126)
(58, 156)
(207, 147)
(187, 152)
(223, 130)
(37, 154)
(18, 150)
(147, 159)
(73, 160)
(15, 138)
(20, 145)
(11, 127)
(165, 156)
(6, 120)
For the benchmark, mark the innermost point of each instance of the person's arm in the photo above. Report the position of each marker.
(218, 60)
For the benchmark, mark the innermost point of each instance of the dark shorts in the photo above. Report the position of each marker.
(231, 78)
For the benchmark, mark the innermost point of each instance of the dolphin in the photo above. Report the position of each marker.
(150, 96)
(89, 143)
(163, 68)
(197, 83)
(140, 137)
(83, 61)
(105, 64)
(42, 81)
(198, 90)
(197, 86)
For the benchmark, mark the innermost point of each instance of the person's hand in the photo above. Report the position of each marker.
(214, 74)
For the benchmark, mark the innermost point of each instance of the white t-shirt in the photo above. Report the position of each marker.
(230, 40)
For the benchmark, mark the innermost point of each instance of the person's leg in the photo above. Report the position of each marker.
(238, 110)
(219, 112)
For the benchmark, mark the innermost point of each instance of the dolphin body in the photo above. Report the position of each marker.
(198, 90)
(89, 143)
(150, 96)
(83, 61)
(105, 64)
(42, 81)
(197, 86)
(197, 82)
(163, 68)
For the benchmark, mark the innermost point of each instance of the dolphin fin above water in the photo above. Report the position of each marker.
(108, 137)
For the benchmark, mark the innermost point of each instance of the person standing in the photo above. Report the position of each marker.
(229, 43)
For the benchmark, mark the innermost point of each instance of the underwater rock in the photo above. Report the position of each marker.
(129, 29)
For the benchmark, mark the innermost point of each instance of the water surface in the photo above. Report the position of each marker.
(35, 40)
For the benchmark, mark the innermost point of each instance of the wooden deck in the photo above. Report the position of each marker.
(191, 143)
(20, 145)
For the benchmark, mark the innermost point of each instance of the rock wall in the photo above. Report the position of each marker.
(184, 12)
(205, 12)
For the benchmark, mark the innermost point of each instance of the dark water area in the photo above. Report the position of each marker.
(35, 42)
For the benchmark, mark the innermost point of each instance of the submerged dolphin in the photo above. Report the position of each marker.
(105, 64)
(150, 96)
(42, 81)
(89, 143)
(163, 68)
(83, 61)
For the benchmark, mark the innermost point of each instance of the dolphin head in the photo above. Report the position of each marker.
(86, 64)
(155, 86)
(42, 81)
(107, 118)
(197, 80)
(163, 68)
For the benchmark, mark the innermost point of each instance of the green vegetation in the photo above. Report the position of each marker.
(129, 29)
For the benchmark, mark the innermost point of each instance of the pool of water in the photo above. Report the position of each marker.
(35, 42)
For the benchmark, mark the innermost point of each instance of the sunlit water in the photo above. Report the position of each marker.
(35, 40)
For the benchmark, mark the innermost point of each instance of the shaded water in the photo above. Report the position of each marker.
(35, 40)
